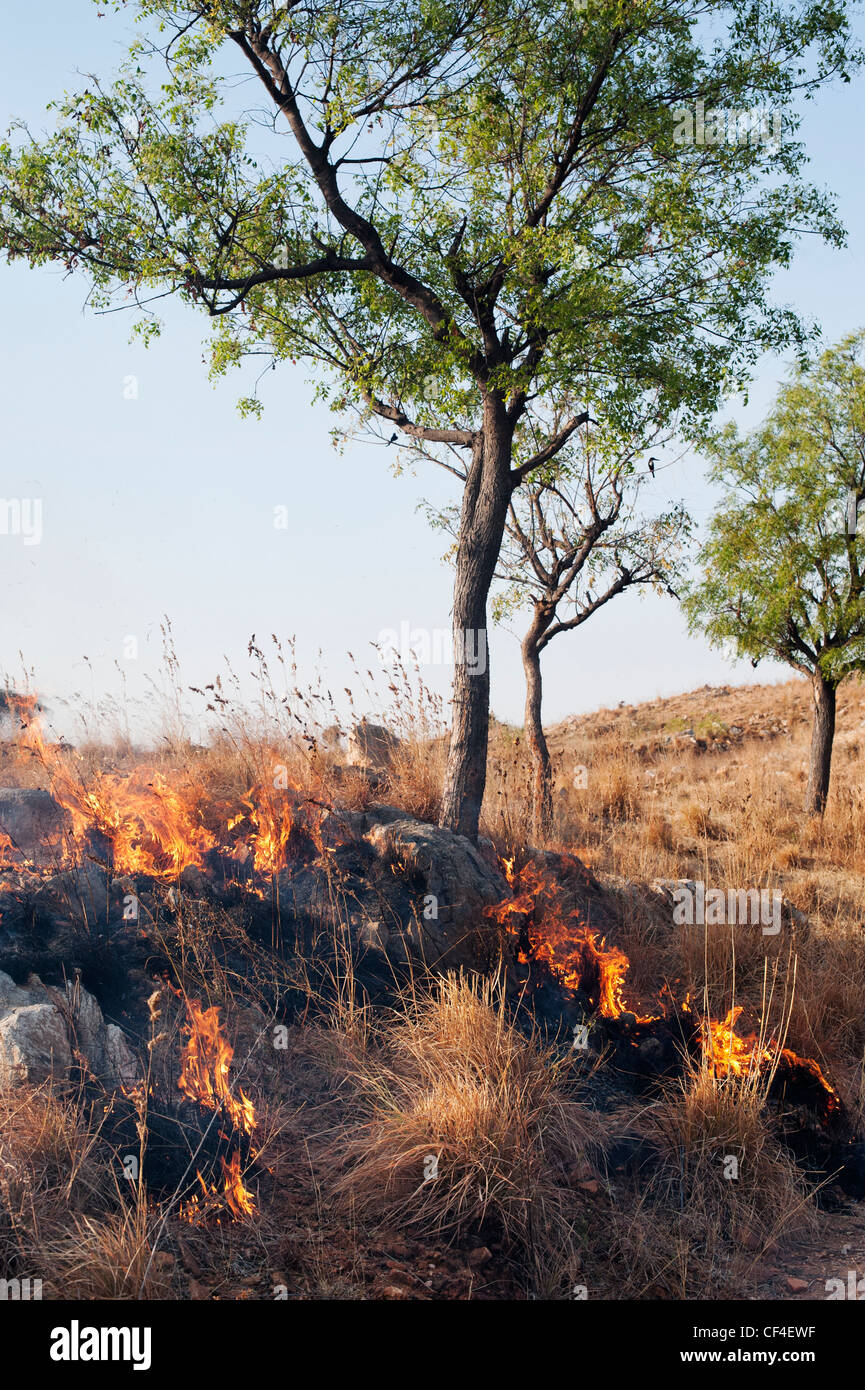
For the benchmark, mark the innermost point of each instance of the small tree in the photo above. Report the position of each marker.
(573, 541)
(783, 569)
(451, 210)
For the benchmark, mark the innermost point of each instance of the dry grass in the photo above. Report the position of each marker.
(719, 1196)
(462, 1122)
(707, 786)
(62, 1217)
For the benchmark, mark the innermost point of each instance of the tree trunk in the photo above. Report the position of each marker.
(482, 525)
(822, 737)
(542, 777)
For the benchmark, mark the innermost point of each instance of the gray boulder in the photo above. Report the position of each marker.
(371, 745)
(44, 1030)
(454, 882)
(34, 1046)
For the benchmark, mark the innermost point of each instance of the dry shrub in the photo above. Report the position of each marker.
(827, 1010)
(356, 789)
(694, 1232)
(106, 1257)
(789, 857)
(62, 1218)
(659, 833)
(698, 820)
(451, 1079)
(614, 789)
(48, 1168)
(415, 778)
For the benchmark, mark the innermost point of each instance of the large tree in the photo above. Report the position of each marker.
(783, 568)
(456, 209)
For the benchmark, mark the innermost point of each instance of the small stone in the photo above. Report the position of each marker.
(393, 1291)
(479, 1257)
(796, 1285)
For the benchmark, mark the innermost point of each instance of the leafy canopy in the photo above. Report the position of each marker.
(783, 569)
(440, 199)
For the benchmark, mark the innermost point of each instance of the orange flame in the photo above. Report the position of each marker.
(723, 1050)
(149, 821)
(580, 959)
(153, 820)
(207, 1058)
(578, 956)
(273, 825)
(238, 1199)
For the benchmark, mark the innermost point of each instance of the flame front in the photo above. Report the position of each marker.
(154, 821)
(724, 1051)
(580, 959)
(578, 956)
(207, 1059)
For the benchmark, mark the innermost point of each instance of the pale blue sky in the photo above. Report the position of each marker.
(165, 504)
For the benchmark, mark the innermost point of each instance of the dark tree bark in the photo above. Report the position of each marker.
(482, 524)
(539, 753)
(822, 738)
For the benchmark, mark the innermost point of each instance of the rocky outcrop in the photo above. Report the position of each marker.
(455, 882)
(404, 889)
(44, 1032)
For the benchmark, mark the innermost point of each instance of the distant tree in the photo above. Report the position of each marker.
(783, 569)
(574, 539)
(452, 210)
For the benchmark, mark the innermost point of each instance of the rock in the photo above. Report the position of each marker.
(371, 745)
(796, 1285)
(33, 820)
(33, 1046)
(455, 883)
(120, 1059)
(481, 1256)
(43, 1030)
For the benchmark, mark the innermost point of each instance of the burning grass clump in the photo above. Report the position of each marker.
(463, 1123)
(719, 1194)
